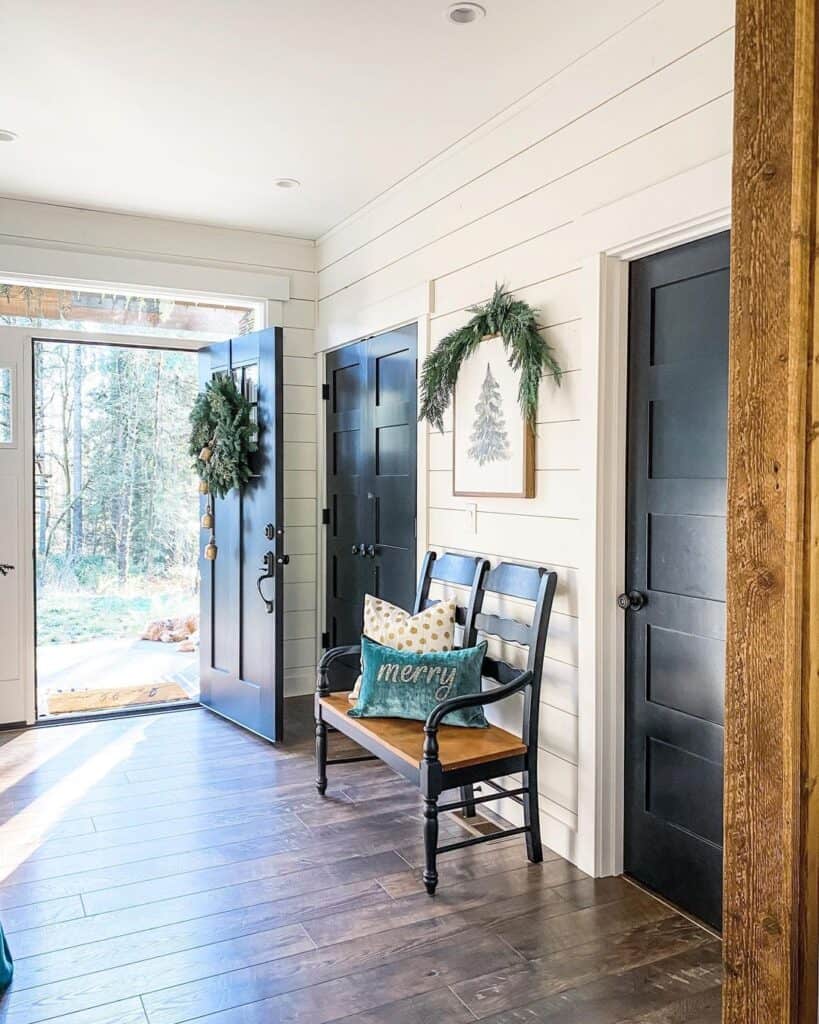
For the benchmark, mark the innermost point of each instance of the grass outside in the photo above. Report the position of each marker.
(65, 617)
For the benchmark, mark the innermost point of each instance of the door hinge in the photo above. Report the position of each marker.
(325, 392)
(325, 517)
(325, 641)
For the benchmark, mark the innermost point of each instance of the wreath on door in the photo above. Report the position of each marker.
(222, 439)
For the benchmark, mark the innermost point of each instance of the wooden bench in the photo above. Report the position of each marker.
(438, 757)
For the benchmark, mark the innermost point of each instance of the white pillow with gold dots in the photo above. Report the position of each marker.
(433, 629)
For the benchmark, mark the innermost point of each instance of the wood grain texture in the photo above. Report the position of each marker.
(302, 909)
(771, 691)
(459, 747)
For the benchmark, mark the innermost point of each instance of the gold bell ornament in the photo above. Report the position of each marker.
(203, 487)
(210, 551)
(206, 454)
(207, 519)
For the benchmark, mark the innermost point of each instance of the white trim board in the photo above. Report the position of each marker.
(183, 277)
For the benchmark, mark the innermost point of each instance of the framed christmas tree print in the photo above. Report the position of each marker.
(493, 446)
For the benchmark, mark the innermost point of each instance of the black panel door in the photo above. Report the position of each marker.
(371, 478)
(349, 573)
(241, 662)
(675, 622)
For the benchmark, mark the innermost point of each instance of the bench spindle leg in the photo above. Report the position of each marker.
(430, 844)
(531, 817)
(321, 756)
(468, 797)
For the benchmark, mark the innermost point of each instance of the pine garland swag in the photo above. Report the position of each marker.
(516, 323)
(222, 436)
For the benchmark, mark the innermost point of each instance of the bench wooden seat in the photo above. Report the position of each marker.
(442, 758)
(457, 747)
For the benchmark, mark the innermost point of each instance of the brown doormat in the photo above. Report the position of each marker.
(115, 697)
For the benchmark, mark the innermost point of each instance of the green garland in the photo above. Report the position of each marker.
(222, 436)
(516, 322)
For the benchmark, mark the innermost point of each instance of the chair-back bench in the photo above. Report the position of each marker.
(438, 757)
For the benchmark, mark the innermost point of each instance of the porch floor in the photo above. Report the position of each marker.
(171, 867)
(108, 662)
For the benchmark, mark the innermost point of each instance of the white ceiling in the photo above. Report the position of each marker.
(190, 109)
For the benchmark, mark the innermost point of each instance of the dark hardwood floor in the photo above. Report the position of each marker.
(171, 867)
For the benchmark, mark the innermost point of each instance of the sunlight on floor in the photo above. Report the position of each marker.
(23, 833)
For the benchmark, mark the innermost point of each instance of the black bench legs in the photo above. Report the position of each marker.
(531, 813)
(321, 754)
(430, 844)
(431, 781)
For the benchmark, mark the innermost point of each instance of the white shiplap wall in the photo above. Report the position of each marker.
(43, 240)
(628, 141)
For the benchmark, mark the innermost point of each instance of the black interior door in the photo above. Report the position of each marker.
(371, 478)
(390, 463)
(676, 567)
(349, 573)
(241, 662)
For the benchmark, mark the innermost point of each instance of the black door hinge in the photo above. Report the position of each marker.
(325, 392)
(325, 641)
(325, 517)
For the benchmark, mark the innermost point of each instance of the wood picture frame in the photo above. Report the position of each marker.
(493, 446)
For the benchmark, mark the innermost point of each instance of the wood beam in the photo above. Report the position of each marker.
(772, 678)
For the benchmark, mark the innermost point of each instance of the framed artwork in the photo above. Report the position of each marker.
(493, 446)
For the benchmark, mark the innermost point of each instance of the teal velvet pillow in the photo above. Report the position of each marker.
(403, 684)
(6, 965)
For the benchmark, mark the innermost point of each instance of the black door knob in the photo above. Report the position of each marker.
(632, 601)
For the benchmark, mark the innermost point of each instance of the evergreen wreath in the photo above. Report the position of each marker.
(222, 436)
(516, 323)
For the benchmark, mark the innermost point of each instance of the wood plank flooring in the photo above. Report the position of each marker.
(169, 868)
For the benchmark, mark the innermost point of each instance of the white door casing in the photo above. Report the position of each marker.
(16, 538)
(17, 617)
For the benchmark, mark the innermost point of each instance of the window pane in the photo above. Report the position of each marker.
(6, 405)
(63, 309)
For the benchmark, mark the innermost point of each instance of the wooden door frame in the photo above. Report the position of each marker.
(771, 891)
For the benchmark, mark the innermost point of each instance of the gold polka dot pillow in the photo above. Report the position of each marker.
(433, 629)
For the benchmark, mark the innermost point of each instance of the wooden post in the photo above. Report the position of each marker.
(772, 679)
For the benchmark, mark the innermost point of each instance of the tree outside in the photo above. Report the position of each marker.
(489, 441)
(116, 510)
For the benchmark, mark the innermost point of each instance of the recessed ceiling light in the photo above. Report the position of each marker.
(286, 183)
(465, 13)
(7, 136)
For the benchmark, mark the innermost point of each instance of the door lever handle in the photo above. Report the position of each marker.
(5, 568)
(268, 573)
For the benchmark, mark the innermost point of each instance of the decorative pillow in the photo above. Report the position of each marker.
(433, 629)
(402, 684)
(6, 963)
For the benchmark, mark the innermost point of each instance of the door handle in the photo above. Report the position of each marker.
(633, 601)
(5, 568)
(268, 573)
(370, 550)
